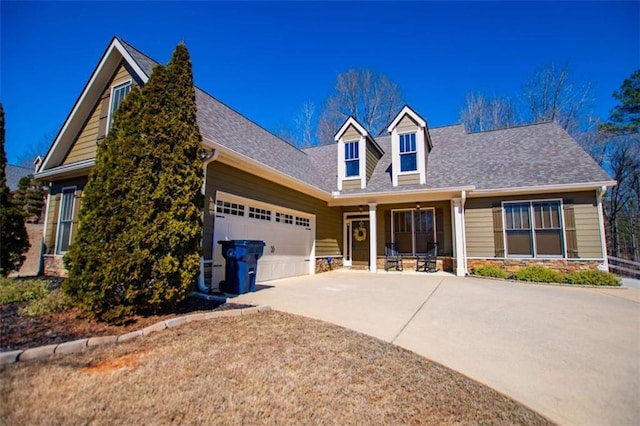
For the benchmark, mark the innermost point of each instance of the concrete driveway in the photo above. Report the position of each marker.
(572, 354)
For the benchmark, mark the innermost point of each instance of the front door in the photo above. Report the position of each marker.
(360, 242)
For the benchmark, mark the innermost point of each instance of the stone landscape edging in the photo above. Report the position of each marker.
(80, 345)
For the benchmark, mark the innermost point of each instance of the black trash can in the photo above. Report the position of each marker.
(241, 265)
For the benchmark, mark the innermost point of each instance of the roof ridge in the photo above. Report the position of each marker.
(513, 127)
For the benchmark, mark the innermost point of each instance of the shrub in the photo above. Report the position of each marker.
(52, 302)
(539, 274)
(490, 270)
(12, 291)
(593, 277)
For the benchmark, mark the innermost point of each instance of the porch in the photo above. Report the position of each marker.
(412, 227)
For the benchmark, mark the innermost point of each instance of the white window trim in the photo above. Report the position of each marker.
(400, 154)
(113, 88)
(532, 230)
(73, 209)
(413, 221)
(420, 156)
(362, 165)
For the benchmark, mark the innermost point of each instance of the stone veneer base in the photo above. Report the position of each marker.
(514, 265)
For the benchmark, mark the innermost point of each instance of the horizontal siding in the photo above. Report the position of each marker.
(587, 230)
(221, 177)
(479, 230)
(479, 223)
(411, 179)
(52, 223)
(407, 125)
(85, 145)
(373, 156)
(351, 184)
(351, 134)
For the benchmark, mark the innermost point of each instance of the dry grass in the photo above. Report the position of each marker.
(265, 368)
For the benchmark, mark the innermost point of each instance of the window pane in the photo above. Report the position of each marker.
(403, 231)
(424, 230)
(519, 243)
(549, 242)
(547, 215)
(351, 151)
(64, 236)
(408, 163)
(353, 168)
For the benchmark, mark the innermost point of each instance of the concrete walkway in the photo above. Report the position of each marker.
(572, 354)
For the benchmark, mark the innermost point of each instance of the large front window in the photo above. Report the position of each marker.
(117, 95)
(65, 219)
(352, 159)
(408, 154)
(414, 231)
(533, 229)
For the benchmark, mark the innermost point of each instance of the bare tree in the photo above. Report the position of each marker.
(370, 98)
(551, 95)
(481, 114)
(38, 149)
(304, 124)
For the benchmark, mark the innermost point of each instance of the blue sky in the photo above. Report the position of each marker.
(266, 59)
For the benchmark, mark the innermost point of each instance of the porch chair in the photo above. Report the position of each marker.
(427, 262)
(392, 257)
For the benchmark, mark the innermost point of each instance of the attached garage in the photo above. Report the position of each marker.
(289, 236)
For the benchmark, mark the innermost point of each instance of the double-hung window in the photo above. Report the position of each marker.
(117, 95)
(65, 219)
(533, 229)
(414, 231)
(352, 159)
(408, 154)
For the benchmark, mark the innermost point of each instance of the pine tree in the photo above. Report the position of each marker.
(29, 197)
(625, 117)
(14, 241)
(138, 246)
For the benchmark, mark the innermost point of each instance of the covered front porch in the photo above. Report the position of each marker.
(413, 227)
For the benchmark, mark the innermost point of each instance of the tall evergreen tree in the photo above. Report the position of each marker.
(138, 246)
(625, 117)
(29, 197)
(14, 241)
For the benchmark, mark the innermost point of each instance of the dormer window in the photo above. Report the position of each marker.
(352, 159)
(410, 146)
(408, 153)
(118, 93)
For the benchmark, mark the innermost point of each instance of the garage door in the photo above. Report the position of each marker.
(288, 235)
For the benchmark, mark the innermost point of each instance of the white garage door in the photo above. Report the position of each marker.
(288, 235)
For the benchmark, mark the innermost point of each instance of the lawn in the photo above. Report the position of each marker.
(265, 368)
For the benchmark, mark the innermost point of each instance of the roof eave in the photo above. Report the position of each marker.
(542, 189)
(267, 172)
(413, 195)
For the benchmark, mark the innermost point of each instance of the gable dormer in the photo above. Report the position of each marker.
(410, 146)
(358, 155)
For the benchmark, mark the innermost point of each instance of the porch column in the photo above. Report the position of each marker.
(458, 226)
(373, 238)
(603, 236)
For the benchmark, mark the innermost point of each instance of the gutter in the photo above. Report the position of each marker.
(73, 167)
(542, 188)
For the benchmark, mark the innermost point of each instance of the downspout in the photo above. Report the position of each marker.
(207, 157)
(603, 237)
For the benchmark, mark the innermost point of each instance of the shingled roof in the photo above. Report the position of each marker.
(519, 157)
(525, 156)
(223, 125)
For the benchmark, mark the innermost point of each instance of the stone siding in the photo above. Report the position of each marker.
(446, 263)
(322, 265)
(54, 266)
(514, 265)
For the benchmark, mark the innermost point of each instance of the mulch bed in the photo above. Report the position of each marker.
(19, 331)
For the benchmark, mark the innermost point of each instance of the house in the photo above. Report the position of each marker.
(512, 197)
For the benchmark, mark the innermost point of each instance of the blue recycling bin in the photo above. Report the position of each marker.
(241, 267)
